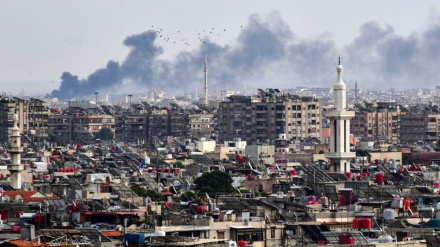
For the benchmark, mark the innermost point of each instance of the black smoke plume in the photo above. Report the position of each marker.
(267, 52)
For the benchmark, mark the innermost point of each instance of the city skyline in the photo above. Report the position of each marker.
(263, 42)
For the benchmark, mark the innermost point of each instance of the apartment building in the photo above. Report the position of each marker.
(201, 125)
(7, 111)
(420, 127)
(158, 124)
(88, 125)
(80, 123)
(135, 127)
(261, 118)
(380, 121)
(38, 115)
(178, 124)
(60, 128)
(32, 117)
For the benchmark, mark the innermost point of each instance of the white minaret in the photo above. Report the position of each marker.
(206, 81)
(15, 149)
(339, 154)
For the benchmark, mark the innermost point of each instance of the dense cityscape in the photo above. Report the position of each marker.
(275, 167)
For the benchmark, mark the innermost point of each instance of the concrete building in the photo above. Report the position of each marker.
(32, 117)
(260, 119)
(201, 125)
(178, 124)
(38, 115)
(89, 125)
(205, 146)
(420, 127)
(135, 127)
(265, 154)
(7, 111)
(236, 145)
(380, 121)
(60, 128)
(68, 126)
(340, 153)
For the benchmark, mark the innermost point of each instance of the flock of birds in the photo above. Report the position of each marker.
(202, 35)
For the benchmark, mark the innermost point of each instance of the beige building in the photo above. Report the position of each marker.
(261, 118)
(38, 115)
(201, 125)
(229, 225)
(265, 154)
(382, 122)
(87, 125)
(64, 128)
(32, 117)
(420, 128)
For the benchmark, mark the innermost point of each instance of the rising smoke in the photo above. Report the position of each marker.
(267, 52)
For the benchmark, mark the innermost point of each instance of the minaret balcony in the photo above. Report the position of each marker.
(15, 168)
(340, 155)
(344, 115)
(15, 149)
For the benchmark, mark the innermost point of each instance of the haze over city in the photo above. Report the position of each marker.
(72, 49)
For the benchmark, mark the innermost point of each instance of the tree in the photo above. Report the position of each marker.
(214, 182)
(105, 134)
(139, 190)
(188, 196)
(179, 164)
(155, 196)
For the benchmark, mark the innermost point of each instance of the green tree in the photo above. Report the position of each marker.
(154, 195)
(214, 182)
(105, 134)
(179, 164)
(188, 196)
(139, 190)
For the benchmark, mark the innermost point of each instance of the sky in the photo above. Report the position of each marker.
(70, 49)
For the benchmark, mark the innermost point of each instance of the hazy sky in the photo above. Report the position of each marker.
(40, 40)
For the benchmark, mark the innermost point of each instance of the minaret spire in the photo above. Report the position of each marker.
(340, 153)
(206, 81)
(15, 149)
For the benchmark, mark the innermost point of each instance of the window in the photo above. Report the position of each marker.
(250, 236)
(272, 232)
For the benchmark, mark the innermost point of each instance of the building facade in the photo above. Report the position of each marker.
(380, 122)
(32, 118)
(261, 118)
(60, 128)
(421, 127)
(63, 128)
(201, 125)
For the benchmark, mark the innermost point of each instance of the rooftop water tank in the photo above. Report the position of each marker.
(388, 214)
(147, 160)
